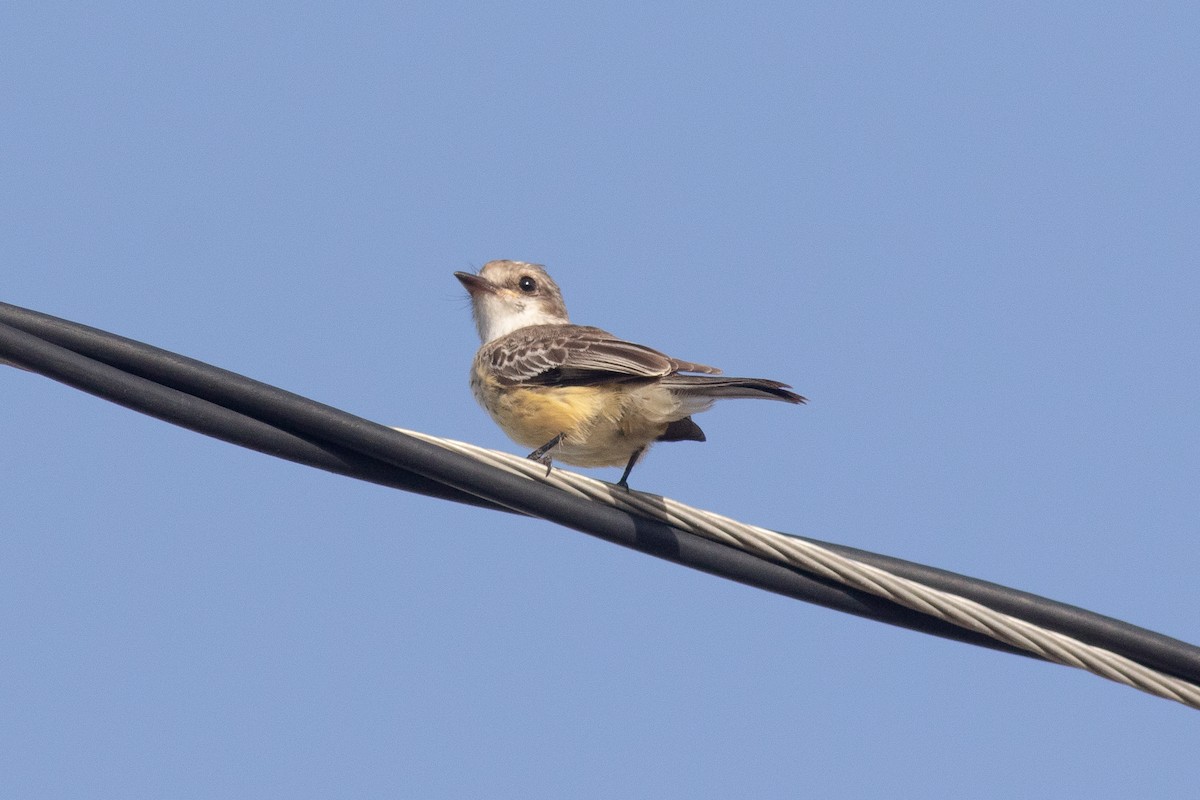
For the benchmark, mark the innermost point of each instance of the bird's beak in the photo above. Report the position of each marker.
(475, 285)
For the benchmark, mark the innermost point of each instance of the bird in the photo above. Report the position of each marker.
(576, 393)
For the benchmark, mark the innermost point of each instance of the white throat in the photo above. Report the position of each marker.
(499, 316)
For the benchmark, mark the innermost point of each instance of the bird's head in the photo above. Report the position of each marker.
(508, 295)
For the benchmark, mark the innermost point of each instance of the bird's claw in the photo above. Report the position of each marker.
(542, 454)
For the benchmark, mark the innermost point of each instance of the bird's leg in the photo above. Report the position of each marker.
(542, 454)
(624, 482)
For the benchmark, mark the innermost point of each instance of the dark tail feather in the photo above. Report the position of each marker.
(709, 386)
(682, 430)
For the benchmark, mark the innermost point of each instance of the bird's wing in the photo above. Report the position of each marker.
(566, 355)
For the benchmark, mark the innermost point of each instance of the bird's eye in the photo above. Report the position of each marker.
(527, 284)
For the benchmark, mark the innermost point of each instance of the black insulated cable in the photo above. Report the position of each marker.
(242, 411)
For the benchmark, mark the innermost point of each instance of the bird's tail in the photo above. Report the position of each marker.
(709, 386)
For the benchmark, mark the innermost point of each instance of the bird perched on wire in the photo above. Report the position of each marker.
(576, 393)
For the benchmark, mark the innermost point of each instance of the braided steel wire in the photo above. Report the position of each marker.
(795, 552)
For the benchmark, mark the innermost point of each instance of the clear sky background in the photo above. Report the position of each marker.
(967, 232)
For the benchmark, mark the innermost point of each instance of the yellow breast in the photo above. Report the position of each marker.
(534, 416)
(601, 425)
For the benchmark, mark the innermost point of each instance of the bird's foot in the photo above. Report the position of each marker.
(624, 482)
(542, 454)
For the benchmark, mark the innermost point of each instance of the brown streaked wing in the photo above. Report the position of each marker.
(577, 354)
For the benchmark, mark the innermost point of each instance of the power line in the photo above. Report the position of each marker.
(251, 414)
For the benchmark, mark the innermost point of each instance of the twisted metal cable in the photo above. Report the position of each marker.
(242, 411)
(813, 558)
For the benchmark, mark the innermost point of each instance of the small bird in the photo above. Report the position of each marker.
(577, 393)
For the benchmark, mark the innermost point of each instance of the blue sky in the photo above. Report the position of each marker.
(967, 233)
